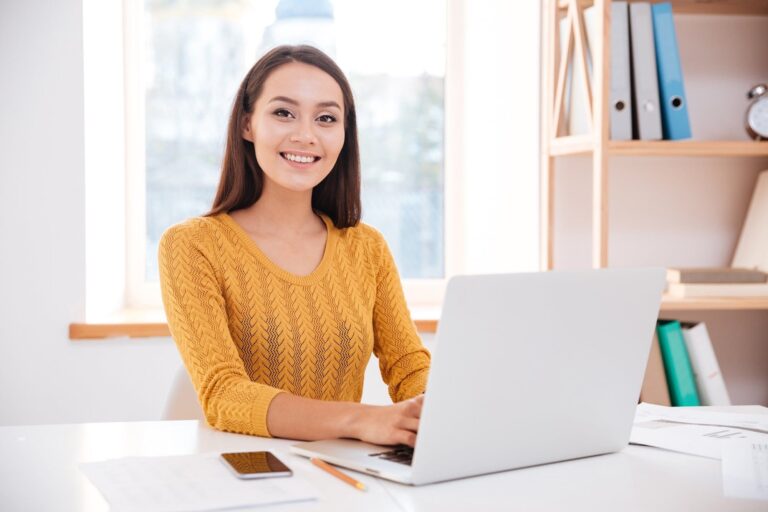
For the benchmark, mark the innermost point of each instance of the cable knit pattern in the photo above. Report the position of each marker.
(248, 330)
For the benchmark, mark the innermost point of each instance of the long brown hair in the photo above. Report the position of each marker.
(242, 180)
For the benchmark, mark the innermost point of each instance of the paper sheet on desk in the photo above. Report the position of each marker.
(745, 470)
(186, 482)
(703, 440)
(704, 416)
(676, 428)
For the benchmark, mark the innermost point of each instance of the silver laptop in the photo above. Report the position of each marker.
(528, 369)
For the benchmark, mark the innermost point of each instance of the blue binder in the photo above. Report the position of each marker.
(674, 107)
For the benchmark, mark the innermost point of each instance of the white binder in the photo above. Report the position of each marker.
(646, 84)
(709, 380)
(621, 88)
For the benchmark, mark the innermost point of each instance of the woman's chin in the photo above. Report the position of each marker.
(298, 182)
(297, 186)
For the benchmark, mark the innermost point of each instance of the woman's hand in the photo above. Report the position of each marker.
(296, 417)
(390, 424)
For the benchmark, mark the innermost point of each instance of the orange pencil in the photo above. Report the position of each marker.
(338, 474)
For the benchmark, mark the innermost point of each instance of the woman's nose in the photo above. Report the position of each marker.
(304, 133)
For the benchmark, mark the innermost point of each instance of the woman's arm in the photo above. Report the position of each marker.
(194, 305)
(403, 360)
(296, 417)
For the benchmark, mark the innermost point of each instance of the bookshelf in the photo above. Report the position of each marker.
(732, 7)
(597, 143)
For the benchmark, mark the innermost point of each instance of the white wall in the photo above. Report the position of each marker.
(45, 377)
(499, 180)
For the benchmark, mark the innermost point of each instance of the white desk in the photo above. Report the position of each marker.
(38, 472)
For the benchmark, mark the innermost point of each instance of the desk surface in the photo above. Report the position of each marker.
(38, 471)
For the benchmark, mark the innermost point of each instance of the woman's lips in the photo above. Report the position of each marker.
(299, 164)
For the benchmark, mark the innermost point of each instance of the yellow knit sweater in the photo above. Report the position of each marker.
(248, 330)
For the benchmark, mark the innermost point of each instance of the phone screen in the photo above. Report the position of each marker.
(255, 464)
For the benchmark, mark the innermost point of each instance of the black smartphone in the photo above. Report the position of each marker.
(255, 465)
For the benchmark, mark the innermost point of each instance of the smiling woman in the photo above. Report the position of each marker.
(279, 295)
(190, 58)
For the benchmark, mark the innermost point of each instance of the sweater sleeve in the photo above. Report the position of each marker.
(195, 309)
(403, 360)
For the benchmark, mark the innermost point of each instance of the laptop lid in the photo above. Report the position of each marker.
(535, 368)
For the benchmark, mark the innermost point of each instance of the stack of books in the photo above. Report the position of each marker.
(682, 368)
(716, 282)
(748, 274)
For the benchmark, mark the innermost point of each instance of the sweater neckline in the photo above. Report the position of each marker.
(255, 250)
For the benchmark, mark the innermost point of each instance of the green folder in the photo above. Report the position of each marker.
(677, 366)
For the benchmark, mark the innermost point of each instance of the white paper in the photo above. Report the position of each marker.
(703, 440)
(703, 416)
(745, 469)
(187, 482)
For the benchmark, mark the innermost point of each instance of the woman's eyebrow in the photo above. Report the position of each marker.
(294, 102)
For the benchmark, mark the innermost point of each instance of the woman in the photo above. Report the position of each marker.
(277, 297)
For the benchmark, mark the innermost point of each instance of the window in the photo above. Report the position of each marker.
(195, 53)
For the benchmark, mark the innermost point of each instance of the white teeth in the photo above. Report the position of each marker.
(298, 158)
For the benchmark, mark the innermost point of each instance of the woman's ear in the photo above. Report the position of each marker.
(246, 132)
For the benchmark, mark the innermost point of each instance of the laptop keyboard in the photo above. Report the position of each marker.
(401, 455)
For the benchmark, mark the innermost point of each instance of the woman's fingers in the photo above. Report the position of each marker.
(405, 437)
(408, 424)
(411, 424)
(394, 424)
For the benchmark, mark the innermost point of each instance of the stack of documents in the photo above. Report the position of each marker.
(187, 482)
(736, 435)
(696, 430)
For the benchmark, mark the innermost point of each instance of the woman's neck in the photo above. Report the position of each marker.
(280, 212)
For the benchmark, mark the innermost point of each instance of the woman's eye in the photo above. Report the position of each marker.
(281, 112)
(326, 118)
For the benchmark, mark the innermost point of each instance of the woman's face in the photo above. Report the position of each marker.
(297, 126)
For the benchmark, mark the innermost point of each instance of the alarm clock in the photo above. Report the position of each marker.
(757, 112)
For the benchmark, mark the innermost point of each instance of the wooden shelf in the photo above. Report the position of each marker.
(571, 145)
(714, 304)
(689, 148)
(728, 7)
(583, 144)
